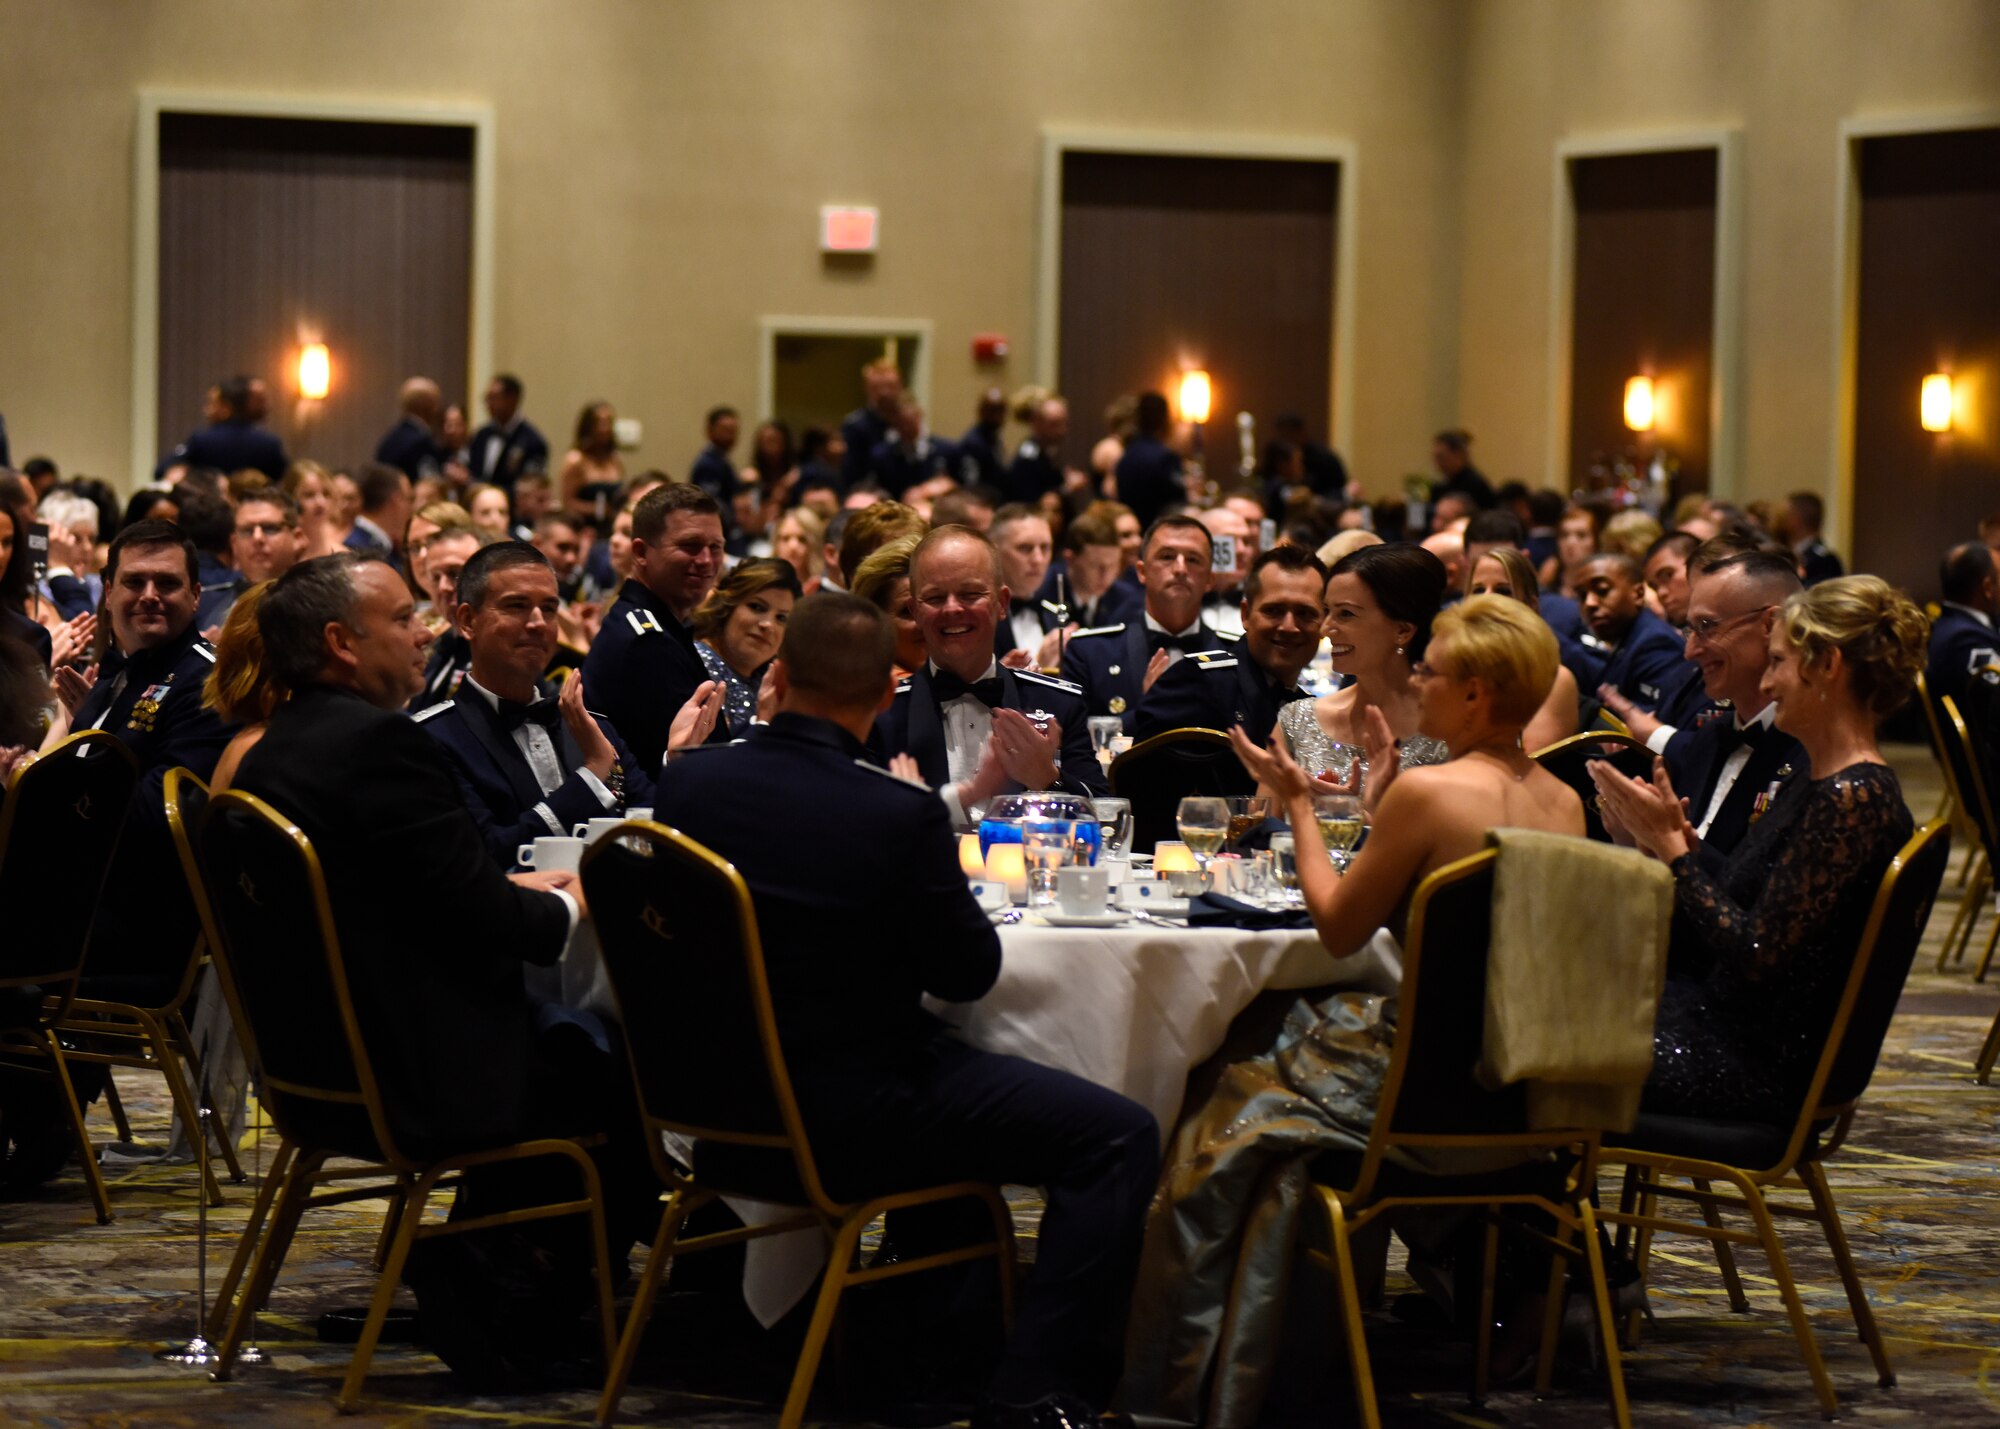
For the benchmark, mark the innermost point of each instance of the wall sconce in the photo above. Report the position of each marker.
(1935, 405)
(1639, 411)
(315, 371)
(1195, 396)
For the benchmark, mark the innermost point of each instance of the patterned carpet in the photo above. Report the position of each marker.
(85, 1306)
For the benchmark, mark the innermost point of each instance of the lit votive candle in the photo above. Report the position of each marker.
(970, 861)
(1173, 856)
(1008, 864)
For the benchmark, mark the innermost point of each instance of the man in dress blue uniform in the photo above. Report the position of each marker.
(975, 727)
(1645, 660)
(854, 937)
(1037, 468)
(1149, 473)
(643, 666)
(411, 446)
(508, 447)
(910, 456)
(714, 471)
(869, 425)
(1114, 665)
(1805, 513)
(531, 763)
(1962, 637)
(237, 441)
(384, 517)
(982, 453)
(1284, 605)
(1083, 582)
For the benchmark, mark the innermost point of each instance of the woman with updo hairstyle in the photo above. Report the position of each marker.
(240, 688)
(739, 628)
(1764, 940)
(1506, 571)
(884, 582)
(1380, 601)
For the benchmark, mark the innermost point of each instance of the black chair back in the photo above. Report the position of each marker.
(1570, 760)
(278, 955)
(678, 934)
(1156, 774)
(1974, 793)
(59, 828)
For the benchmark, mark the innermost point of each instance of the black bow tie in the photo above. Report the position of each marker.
(1186, 644)
(951, 687)
(514, 714)
(1745, 737)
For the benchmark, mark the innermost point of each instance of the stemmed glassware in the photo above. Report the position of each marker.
(1103, 730)
(1341, 819)
(1204, 827)
(1285, 868)
(1114, 818)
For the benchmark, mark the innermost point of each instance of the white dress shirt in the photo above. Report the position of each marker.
(1174, 652)
(1732, 769)
(1026, 623)
(968, 729)
(540, 751)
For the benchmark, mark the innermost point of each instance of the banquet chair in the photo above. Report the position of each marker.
(1759, 1157)
(1952, 806)
(679, 940)
(1570, 760)
(59, 827)
(1975, 801)
(264, 905)
(1432, 1101)
(1157, 773)
(152, 1037)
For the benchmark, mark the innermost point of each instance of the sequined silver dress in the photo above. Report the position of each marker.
(1319, 753)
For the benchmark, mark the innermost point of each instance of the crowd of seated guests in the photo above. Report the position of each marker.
(576, 641)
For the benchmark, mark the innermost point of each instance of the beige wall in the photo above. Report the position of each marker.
(1787, 72)
(660, 168)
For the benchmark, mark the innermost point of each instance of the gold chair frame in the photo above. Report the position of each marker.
(1799, 1168)
(1349, 1210)
(297, 1173)
(41, 1042)
(842, 1222)
(1977, 807)
(1952, 807)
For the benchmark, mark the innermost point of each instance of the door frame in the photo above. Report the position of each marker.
(1344, 154)
(153, 103)
(1725, 358)
(772, 326)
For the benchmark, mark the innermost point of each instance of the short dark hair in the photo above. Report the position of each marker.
(378, 484)
(144, 535)
(1773, 573)
(208, 521)
(1407, 581)
(1454, 439)
(235, 394)
(552, 519)
(1545, 506)
(1175, 522)
(716, 414)
(1724, 545)
(510, 384)
(298, 607)
(954, 507)
(1809, 506)
(1682, 543)
(1625, 564)
(656, 508)
(272, 496)
(1153, 413)
(1494, 528)
(39, 466)
(1015, 511)
(1285, 558)
(1964, 570)
(1088, 530)
(840, 649)
(481, 566)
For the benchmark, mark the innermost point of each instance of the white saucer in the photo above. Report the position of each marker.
(1162, 905)
(1056, 918)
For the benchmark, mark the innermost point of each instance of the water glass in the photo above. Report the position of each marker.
(1341, 821)
(1285, 870)
(1114, 818)
(1104, 729)
(1048, 845)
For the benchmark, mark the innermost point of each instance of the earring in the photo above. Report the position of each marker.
(1399, 649)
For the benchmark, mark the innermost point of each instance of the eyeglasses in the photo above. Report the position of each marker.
(266, 528)
(1706, 627)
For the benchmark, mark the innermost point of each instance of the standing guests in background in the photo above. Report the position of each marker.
(411, 446)
(1451, 454)
(910, 456)
(1805, 514)
(1962, 640)
(644, 665)
(1149, 476)
(714, 471)
(868, 425)
(738, 629)
(235, 438)
(1325, 472)
(384, 517)
(982, 451)
(508, 446)
(1643, 662)
(1114, 665)
(591, 465)
(1037, 468)
(307, 483)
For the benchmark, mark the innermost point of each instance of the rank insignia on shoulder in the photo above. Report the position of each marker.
(429, 710)
(1036, 677)
(1099, 630)
(874, 768)
(1208, 661)
(644, 622)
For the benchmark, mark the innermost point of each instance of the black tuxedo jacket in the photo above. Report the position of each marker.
(412, 448)
(434, 935)
(1694, 761)
(914, 725)
(500, 789)
(512, 454)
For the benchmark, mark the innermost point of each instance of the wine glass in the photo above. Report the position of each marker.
(1246, 813)
(1285, 868)
(1104, 729)
(1047, 845)
(1114, 817)
(1204, 826)
(1341, 821)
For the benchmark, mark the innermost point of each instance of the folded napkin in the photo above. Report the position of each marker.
(1216, 910)
(1574, 968)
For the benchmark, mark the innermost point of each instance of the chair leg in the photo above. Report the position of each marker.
(1986, 958)
(1781, 1271)
(1482, 1354)
(389, 1219)
(92, 1177)
(1814, 1176)
(292, 1198)
(218, 1314)
(116, 1107)
(1982, 887)
(1989, 1052)
(178, 1035)
(1642, 1250)
(385, 1292)
(837, 1262)
(184, 1107)
(658, 1257)
(1350, 1315)
(1552, 1311)
(1607, 1320)
(1725, 1253)
(1003, 1238)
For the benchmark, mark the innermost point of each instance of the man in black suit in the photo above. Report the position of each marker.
(714, 471)
(508, 447)
(868, 425)
(974, 727)
(1037, 468)
(1116, 664)
(910, 455)
(1805, 514)
(982, 453)
(1451, 454)
(1217, 687)
(384, 518)
(854, 937)
(1149, 472)
(1645, 661)
(411, 446)
(237, 441)
(643, 666)
(529, 763)
(1962, 637)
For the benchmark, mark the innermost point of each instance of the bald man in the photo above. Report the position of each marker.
(411, 445)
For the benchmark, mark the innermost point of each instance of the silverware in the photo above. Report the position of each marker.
(1156, 920)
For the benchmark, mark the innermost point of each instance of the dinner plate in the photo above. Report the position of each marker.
(1056, 918)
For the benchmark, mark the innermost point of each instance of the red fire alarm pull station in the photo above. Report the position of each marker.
(989, 347)
(848, 229)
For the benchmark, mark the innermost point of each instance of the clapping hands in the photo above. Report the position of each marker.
(696, 719)
(1648, 813)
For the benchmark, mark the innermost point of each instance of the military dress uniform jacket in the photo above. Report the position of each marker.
(642, 667)
(914, 725)
(1149, 477)
(1961, 644)
(1032, 474)
(444, 668)
(1214, 690)
(1694, 762)
(1648, 662)
(500, 787)
(411, 448)
(1108, 663)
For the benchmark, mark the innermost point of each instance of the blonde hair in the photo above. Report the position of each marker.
(444, 514)
(884, 566)
(1503, 643)
(812, 526)
(1345, 543)
(1632, 532)
(1519, 570)
(240, 688)
(1878, 630)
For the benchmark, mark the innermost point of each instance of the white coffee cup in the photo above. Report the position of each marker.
(1083, 892)
(551, 855)
(638, 813)
(596, 829)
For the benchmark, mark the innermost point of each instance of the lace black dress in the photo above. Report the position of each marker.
(1762, 949)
